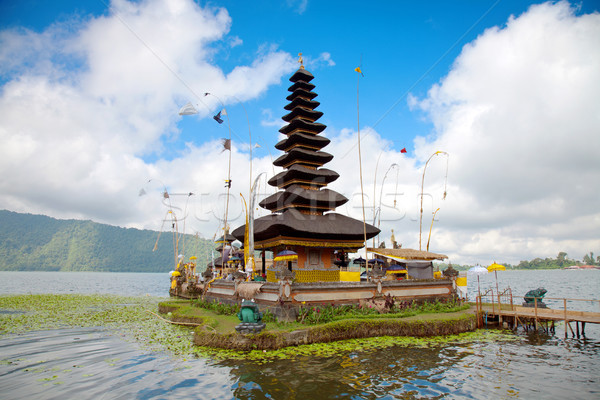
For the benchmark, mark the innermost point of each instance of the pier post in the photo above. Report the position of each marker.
(499, 310)
(566, 320)
(536, 317)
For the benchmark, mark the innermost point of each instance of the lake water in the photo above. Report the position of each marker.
(95, 363)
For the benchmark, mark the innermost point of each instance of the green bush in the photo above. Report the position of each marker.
(217, 307)
(393, 309)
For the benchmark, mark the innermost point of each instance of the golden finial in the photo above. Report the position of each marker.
(301, 60)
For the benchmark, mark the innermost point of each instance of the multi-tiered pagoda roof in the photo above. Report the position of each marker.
(302, 211)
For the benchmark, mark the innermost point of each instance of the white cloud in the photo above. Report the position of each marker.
(83, 102)
(298, 5)
(268, 119)
(518, 114)
(324, 59)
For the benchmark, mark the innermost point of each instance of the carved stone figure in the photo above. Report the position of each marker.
(533, 294)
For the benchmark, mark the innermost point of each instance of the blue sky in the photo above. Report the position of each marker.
(403, 47)
(99, 84)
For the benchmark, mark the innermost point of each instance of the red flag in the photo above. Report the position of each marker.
(403, 150)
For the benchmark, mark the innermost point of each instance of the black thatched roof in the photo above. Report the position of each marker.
(303, 156)
(293, 224)
(301, 85)
(302, 125)
(305, 113)
(306, 94)
(218, 262)
(306, 139)
(295, 196)
(301, 174)
(302, 102)
(301, 75)
(229, 238)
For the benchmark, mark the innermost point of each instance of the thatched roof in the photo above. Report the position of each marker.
(248, 290)
(304, 198)
(409, 254)
(298, 138)
(301, 74)
(302, 102)
(300, 173)
(301, 84)
(225, 238)
(302, 125)
(302, 112)
(292, 223)
(303, 156)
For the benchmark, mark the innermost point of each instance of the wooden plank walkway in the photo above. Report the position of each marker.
(545, 314)
(534, 316)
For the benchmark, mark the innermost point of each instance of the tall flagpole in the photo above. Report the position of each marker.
(362, 192)
(225, 228)
(422, 183)
(374, 190)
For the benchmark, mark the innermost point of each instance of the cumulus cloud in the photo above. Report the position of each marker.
(518, 114)
(324, 59)
(84, 102)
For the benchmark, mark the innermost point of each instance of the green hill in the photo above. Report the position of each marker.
(39, 243)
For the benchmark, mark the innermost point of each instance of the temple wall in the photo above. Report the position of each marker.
(283, 297)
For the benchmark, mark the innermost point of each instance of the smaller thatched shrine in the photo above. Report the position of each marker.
(230, 258)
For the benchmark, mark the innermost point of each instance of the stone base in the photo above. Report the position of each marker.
(540, 304)
(250, 327)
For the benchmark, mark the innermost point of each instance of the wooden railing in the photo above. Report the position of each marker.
(503, 304)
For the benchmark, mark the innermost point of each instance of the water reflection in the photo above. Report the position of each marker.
(93, 363)
(397, 372)
(498, 369)
(66, 363)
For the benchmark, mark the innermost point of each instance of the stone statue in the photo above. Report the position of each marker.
(530, 297)
(251, 318)
(450, 272)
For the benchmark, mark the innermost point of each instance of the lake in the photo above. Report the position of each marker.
(96, 363)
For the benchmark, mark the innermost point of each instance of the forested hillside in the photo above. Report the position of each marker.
(40, 243)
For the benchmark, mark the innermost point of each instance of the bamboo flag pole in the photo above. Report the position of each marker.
(227, 146)
(362, 192)
(422, 184)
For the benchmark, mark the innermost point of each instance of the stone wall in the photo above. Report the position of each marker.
(285, 297)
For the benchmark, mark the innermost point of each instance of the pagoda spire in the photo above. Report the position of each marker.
(303, 210)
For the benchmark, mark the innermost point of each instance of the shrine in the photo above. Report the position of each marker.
(303, 221)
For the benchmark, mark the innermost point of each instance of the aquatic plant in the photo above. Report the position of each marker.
(130, 318)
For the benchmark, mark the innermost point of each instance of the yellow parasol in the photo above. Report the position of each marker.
(496, 267)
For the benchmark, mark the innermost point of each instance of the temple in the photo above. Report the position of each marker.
(303, 218)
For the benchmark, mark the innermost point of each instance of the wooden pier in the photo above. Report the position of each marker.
(502, 310)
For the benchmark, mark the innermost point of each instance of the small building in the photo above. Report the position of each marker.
(418, 263)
